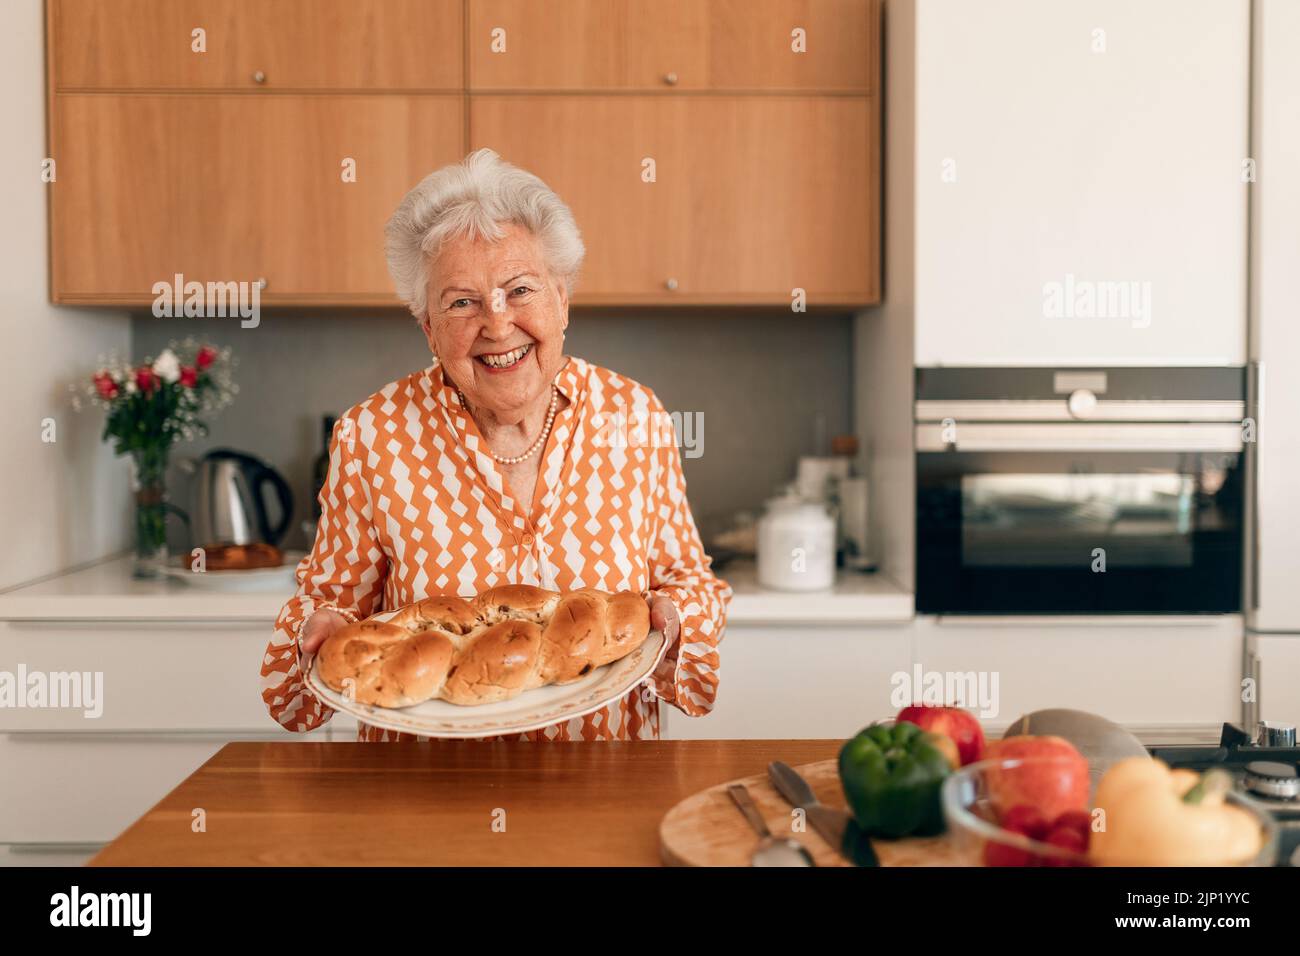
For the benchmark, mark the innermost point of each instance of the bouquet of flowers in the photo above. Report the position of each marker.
(149, 408)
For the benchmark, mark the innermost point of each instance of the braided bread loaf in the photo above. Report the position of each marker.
(484, 649)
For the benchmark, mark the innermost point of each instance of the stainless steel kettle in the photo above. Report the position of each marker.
(229, 502)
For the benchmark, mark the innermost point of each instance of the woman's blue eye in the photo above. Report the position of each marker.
(460, 303)
(522, 290)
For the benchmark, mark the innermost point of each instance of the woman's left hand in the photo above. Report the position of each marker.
(663, 617)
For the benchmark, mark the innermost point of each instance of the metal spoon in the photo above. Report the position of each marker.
(770, 850)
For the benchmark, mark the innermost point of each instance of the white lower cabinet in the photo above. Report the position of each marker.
(87, 788)
(1163, 678)
(170, 695)
(62, 796)
(155, 675)
(799, 683)
(1147, 675)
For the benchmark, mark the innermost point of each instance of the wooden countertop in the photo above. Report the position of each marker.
(350, 804)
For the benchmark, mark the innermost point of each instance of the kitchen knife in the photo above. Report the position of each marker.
(836, 827)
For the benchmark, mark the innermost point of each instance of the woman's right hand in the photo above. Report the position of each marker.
(318, 627)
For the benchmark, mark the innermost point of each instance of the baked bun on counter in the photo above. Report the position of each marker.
(242, 557)
(484, 649)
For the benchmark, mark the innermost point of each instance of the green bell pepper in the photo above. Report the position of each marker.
(891, 777)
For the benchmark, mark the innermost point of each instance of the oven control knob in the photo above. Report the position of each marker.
(1082, 403)
(1270, 733)
(1268, 779)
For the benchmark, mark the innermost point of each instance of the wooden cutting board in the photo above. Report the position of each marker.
(707, 828)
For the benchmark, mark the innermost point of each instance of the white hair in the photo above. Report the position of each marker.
(476, 197)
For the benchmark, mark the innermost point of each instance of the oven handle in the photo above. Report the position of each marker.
(1092, 436)
(985, 410)
(1078, 620)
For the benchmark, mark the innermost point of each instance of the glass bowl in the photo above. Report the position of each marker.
(979, 841)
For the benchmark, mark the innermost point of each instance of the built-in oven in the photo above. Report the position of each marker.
(1076, 491)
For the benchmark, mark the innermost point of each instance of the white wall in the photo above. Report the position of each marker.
(68, 502)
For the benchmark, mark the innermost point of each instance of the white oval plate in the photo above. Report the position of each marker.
(252, 579)
(531, 710)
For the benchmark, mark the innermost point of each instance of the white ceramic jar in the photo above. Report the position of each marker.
(796, 545)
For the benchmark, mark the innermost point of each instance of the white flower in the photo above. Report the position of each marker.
(167, 367)
(130, 386)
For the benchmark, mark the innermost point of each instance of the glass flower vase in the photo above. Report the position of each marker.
(150, 488)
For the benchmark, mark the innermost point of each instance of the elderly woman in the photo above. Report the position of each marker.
(503, 461)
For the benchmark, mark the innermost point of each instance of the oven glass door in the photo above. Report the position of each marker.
(1068, 532)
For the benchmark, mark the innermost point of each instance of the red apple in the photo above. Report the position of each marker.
(952, 722)
(1053, 779)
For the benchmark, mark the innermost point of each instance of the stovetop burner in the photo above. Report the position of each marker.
(1267, 772)
(1236, 750)
(1273, 780)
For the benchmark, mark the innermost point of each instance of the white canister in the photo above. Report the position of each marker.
(796, 546)
(817, 477)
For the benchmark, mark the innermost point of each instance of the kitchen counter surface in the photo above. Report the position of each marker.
(855, 599)
(348, 804)
(106, 591)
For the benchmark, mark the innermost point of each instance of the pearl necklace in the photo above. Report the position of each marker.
(541, 439)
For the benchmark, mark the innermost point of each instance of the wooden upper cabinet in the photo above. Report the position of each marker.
(783, 195)
(250, 44)
(226, 165)
(238, 188)
(724, 45)
(752, 197)
(629, 226)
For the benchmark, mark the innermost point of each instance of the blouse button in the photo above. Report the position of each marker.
(527, 541)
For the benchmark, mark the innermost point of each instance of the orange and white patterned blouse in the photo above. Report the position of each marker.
(415, 506)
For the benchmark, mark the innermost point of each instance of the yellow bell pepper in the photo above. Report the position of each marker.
(1155, 816)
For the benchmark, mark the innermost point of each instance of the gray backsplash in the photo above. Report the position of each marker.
(761, 379)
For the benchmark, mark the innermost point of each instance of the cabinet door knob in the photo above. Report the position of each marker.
(1082, 402)
(259, 77)
(671, 285)
(670, 79)
(261, 283)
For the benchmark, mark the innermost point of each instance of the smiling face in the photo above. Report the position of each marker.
(496, 320)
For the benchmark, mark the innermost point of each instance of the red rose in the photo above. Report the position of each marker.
(207, 355)
(189, 376)
(105, 385)
(145, 380)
